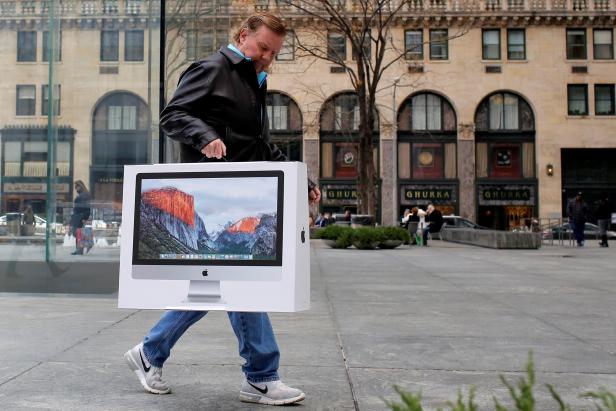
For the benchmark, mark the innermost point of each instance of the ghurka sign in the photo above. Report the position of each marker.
(411, 195)
(336, 194)
(507, 195)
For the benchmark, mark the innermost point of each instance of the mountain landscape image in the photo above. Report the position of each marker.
(170, 224)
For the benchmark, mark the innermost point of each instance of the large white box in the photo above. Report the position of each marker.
(268, 273)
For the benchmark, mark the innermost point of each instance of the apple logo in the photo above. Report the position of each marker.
(303, 235)
(204, 273)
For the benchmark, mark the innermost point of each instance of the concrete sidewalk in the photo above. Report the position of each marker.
(431, 319)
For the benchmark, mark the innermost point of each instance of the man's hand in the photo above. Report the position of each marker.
(314, 195)
(215, 149)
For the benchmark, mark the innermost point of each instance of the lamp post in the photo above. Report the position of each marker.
(394, 162)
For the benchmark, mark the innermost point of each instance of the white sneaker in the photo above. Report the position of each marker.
(149, 376)
(270, 393)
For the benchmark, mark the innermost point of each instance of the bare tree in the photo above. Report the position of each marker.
(367, 26)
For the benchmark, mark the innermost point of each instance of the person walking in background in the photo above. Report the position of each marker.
(28, 221)
(577, 211)
(604, 210)
(81, 212)
(434, 218)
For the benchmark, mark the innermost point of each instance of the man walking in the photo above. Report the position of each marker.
(605, 208)
(577, 210)
(218, 111)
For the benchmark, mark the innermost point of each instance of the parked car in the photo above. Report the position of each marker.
(565, 231)
(454, 221)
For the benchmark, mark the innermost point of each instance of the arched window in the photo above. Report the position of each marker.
(425, 112)
(120, 130)
(504, 111)
(426, 138)
(339, 123)
(285, 124)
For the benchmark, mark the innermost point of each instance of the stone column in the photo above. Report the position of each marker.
(389, 200)
(466, 170)
(311, 157)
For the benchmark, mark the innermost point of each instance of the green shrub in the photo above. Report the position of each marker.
(522, 396)
(332, 232)
(366, 238)
(394, 233)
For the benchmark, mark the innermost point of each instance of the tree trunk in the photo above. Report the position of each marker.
(366, 179)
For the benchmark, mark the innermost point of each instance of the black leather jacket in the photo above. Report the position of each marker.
(219, 97)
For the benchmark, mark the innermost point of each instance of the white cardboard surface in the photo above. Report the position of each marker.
(291, 293)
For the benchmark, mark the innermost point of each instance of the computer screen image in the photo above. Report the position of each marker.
(211, 218)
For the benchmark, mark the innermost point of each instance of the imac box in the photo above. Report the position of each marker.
(215, 236)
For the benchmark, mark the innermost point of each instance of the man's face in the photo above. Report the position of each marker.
(261, 46)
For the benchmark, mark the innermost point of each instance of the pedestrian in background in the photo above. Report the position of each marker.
(604, 210)
(81, 212)
(577, 210)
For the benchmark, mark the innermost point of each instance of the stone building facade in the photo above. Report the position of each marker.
(503, 108)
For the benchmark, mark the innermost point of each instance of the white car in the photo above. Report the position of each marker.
(39, 223)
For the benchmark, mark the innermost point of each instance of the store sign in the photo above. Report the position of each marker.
(115, 180)
(40, 188)
(341, 194)
(496, 194)
(430, 195)
(507, 195)
(424, 194)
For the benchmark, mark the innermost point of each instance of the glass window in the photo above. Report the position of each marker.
(278, 117)
(427, 160)
(504, 110)
(577, 99)
(122, 118)
(505, 161)
(603, 44)
(45, 100)
(413, 44)
(439, 48)
(191, 45)
(336, 46)
(110, 45)
(47, 47)
(110, 6)
(26, 100)
(345, 160)
(491, 44)
(604, 99)
(367, 47)
(426, 112)
(516, 44)
(26, 46)
(287, 52)
(133, 46)
(576, 44)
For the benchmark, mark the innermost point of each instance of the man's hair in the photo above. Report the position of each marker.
(253, 22)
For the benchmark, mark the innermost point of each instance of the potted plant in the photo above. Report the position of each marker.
(366, 238)
(336, 236)
(393, 237)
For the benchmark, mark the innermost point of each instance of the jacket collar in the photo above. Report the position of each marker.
(236, 57)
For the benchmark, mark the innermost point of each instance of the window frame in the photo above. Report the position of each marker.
(483, 44)
(289, 40)
(408, 55)
(444, 43)
(594, 44)
(127, 50)
(17, 100)
(509, 52)
(569, 46)
(103, 53)
(22, 57)
(612, 99)
(45, 102)
(331, 53)
(569, 88)
(47, 49)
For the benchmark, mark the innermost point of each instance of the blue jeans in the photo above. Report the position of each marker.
(578, 231)
(253, 331)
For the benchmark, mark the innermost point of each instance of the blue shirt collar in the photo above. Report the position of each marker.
(261, 76)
